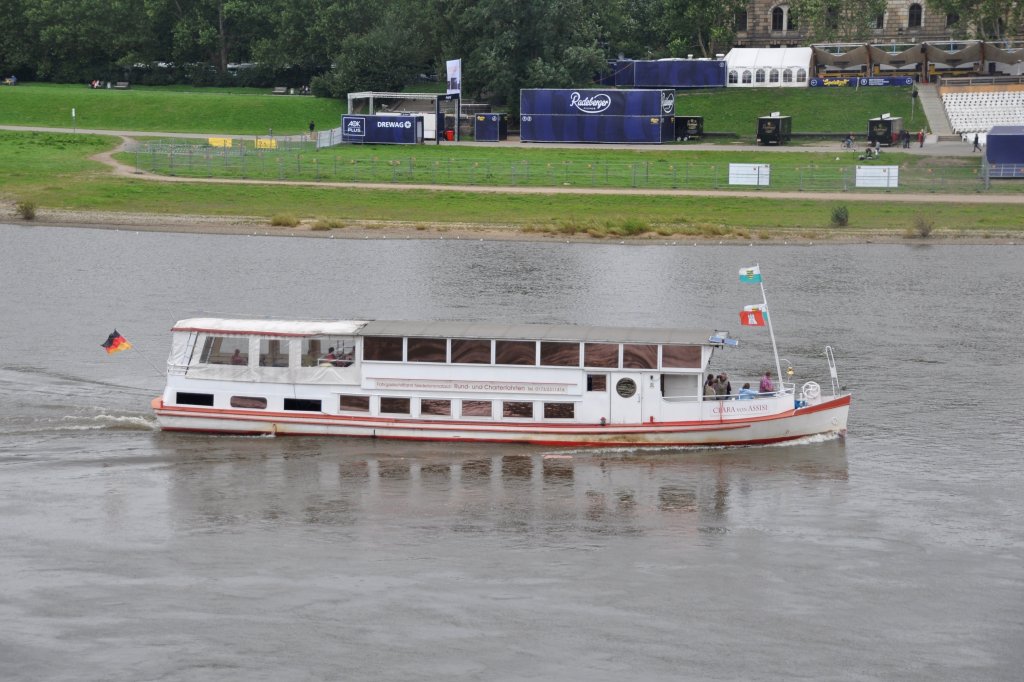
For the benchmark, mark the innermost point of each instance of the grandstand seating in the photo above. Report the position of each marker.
(971, 111)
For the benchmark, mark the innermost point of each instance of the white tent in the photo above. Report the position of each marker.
(768, 67)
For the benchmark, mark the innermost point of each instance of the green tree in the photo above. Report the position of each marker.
(985, 19)
(830, 21)
(699, 27)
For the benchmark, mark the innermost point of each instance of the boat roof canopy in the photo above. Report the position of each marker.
(462, 330)
(268, 327)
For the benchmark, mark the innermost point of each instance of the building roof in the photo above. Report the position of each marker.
(769, 57)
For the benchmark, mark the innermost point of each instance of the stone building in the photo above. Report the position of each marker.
(769, 23)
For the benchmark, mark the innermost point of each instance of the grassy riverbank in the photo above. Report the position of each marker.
(231, 112)
(53, 171)
(249, 111)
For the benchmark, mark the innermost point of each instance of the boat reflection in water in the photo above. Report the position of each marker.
(475, 489)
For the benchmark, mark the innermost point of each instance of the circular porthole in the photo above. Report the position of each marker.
(626, 388)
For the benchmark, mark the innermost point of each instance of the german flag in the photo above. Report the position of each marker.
(116, 343)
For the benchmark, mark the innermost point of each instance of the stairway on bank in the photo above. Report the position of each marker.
(933, 109)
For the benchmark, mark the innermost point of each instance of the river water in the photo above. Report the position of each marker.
(128, 554)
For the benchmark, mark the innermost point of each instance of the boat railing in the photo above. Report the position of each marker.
(176, 370)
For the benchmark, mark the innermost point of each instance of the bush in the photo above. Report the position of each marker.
(284, 220)
(26, 209)
(328, 224)
(923, 226)
(840, 216)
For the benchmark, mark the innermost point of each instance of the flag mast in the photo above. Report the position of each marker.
(771, 332)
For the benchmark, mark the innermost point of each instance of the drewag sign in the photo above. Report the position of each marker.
(382, 129)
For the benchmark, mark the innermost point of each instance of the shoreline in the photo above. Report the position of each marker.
(259, 226)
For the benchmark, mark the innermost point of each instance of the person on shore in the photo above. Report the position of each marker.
(920, 137)
(977, 147)
(747, 393)
(312, 128)
(767, 387)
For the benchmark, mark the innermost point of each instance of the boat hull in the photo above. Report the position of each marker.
(827, 417)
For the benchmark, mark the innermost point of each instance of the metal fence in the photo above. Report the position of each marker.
(298, 160)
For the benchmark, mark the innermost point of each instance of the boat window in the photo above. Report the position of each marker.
(273, 353)
(427, 350)
(225, 350)
(441, 408)
(394, 405)
(301, 405)
(601, 354)
(318, 351)
(640, 355)
(680, 356)
(597, 382)
(471, 351)
(515, 352)
(559, 410)
(626, 387)
(517, 408)
(205, 399)
(559, 354)
(248, 403)
(476, 408)
(355, 403)
(384, 348)
(312, 351)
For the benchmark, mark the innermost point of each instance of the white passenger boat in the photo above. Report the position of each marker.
(464, 381)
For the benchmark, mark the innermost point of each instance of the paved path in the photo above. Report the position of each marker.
(932, 146)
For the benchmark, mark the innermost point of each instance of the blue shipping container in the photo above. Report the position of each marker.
(491, 127)
(679, 74)
(593, 102)
(583, 128)
(382, 129)
(1005, 145)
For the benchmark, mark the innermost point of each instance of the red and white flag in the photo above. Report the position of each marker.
(752, 316)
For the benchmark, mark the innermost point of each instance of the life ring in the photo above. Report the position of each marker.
(811, 390)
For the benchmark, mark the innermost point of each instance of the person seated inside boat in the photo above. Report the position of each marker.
(237, 358)
(344, 359)
(271, 359)
(329, 360)
(723, 388)
(747, 393)
(767, 387)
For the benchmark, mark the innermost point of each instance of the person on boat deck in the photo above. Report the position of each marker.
(724, 387)
(747, 393)
(237, 358)
(766, 383)
(709, 388)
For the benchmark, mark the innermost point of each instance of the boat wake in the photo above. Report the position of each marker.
(36, 426)
(109, 422)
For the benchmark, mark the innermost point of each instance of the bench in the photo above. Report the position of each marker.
(280, 90)
(122, 85)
